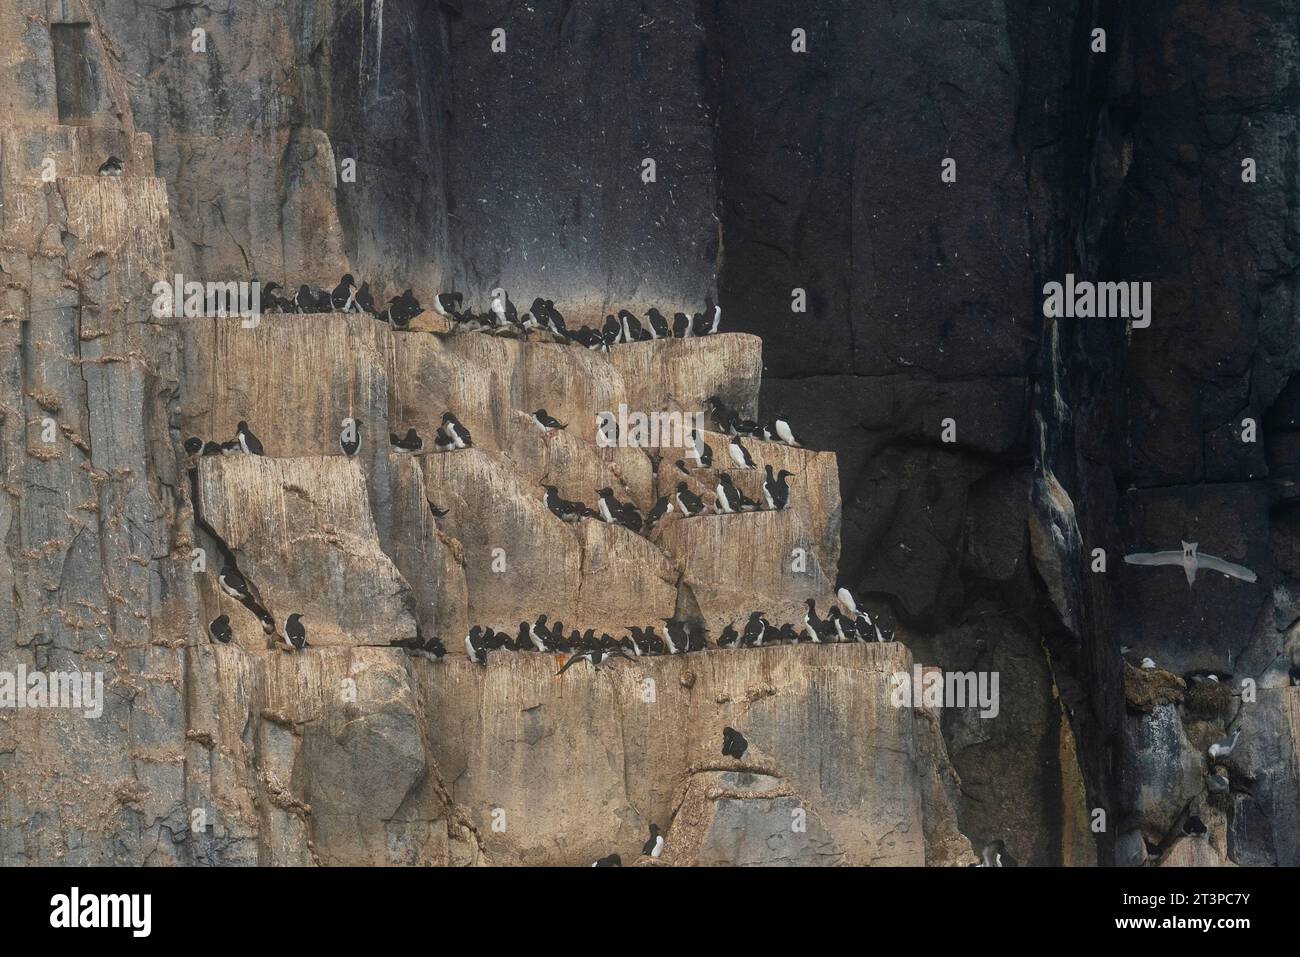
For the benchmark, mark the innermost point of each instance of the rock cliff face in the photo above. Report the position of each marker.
(778, 177)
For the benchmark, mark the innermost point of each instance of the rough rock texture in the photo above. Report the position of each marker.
(1076, 441)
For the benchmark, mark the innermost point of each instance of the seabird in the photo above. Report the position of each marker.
(597, 656)
(193, 445)
(437, 512)
(1218, 782)
(721, 501)
(350, 437)
(661, 508)
(343, 296)
(457, 433)
(219, 629)
(678, 638)
(658, 324)
(755, 629)
(681, 326)
(701, 451)
(538, 634)
(111, 167)
(739, 501)
(688, 501)
(1293, 673)
(232, 583)
(812, 625)
(740, 454)
(655, 845)
(1191, 561)
(502, 308)
(734, 744)
(364, 300)
(995, 855)
(776, 490)
(547, 422)
(410, 442)
(1148, 664)
(247, 440)
(554, 320)
(729, 636)
(474, 647)
(712, 316)
(613, 860)
(304, 300)
(721, 415)
(563, 509)
(268, 623)
(782, 430)
(1195, 827)
(295, 635)
(1222, 749)
(448, 304)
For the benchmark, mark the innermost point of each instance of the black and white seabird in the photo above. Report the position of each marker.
(232, 583)
(729, 636)
(687, 501)
(712, 317)
(1293, 674)
(1218, 781)
(755, 630)
(563, 509)
(343, 297)
(295, 635)
(455, 432)
(813, 626)
(597, 656)
(658, 324)
(538, 634)
(781, 428)
(681, 326)
(720, 414)
(739, 454)
(503, 310)
(111, 167)
(193, 445)
(475, 646)
(365, 300)
(350, 437)
(410, 442)
(268, 623)
(247, 440)
(448, 304)
(738, 500)
(702, 452)
(219, 629)
(776, 490)
(678, 636)
(613, 860)
(655, 845)
(547, 422)
(734, 744)
(995, 855)
(660, 508)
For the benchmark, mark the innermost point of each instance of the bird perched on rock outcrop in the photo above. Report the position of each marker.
(475, 646)
(736, 499)
(295, 635)
(776, 490)
(563, 509)
(449, 305)
(219, 629)
(755, 630)
(712, 318)
(365, 300)
(249, 442)
(734, 744)
(729, 636)
(660, 508)
(547, 422)
(595, 657)
(613, 860)
(410, 442)
(193, 445)
(658, 324)
(343, 297)
(454, 432)
(233, 583)
(112, 167)
(781, 429)
(688, 502)
(1218, 781)
(739, 454)
(655, 845)
(995, 855)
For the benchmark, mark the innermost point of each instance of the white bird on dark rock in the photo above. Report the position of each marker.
(1224, 748)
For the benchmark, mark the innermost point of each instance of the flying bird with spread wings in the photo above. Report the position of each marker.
(1192, 561)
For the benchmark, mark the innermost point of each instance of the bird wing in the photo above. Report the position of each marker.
(1155, 558)
(570, 663)
(1227, 568)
